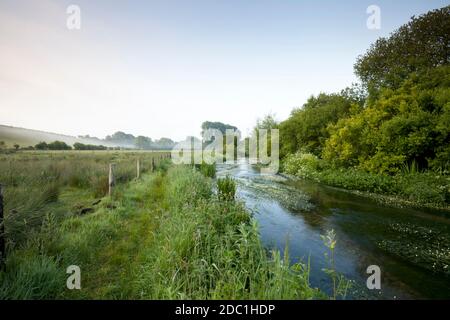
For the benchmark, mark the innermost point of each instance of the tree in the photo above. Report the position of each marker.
(81, 146)
(306, 128)
(163, 143)
(421, 44)
(16, 146)
(222, 127)
(268, 122)
(2, 145)
(41, 146)
(408, 125)
(143, 143)
(121, 138)
(58, 145)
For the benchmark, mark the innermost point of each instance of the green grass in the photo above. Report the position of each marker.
(166, 236)
(61, 183)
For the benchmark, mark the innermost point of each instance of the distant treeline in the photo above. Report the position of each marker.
(60, 145)
(139, 142)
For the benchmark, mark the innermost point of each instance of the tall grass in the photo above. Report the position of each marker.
(226, 188)
(168, 237)
(34, 183)
(208, 248)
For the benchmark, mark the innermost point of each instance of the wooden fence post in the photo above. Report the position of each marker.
(2, 233)
(153, 164)
(111, 180)
(138, 169)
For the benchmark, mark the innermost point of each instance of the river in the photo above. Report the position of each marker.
(411, 247)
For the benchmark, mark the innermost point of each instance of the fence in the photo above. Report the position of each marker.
(111, 185)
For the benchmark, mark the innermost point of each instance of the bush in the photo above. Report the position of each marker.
(303, 165)
(226, 188)
(425, 188)
(208, 170)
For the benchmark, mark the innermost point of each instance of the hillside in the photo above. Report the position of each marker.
(29, 137)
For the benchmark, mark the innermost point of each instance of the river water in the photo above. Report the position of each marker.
(411, 247)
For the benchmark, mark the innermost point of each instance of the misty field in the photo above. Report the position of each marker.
(41, 183)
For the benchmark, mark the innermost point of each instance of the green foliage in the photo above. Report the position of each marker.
(222, 127)
(34, 277)
(37, 183)
(340, 283)
(423, 188)
(401, 126)
(268, 122)
(81, 146)
(210, 249)
(166, 238)
(208, 170)
(226, 188)
(401, 129)
(55, 145)
(58, 145)
(41, 146)
(421, 44)
(143, 143)
(303, 165)
(306, 128)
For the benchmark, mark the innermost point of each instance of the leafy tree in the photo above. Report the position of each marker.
(306, 128)
(163, 143)
(143, 143)
(406, 125)
(121, 138)
(81, 146)
(222, 127)
(268, 122)
(41, 146)
(59, 145)
(421, 44)
(16, 146)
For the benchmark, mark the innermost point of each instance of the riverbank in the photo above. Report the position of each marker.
(166, 236)
(407, 189)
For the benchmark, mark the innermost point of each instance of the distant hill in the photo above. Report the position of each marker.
(29, 137)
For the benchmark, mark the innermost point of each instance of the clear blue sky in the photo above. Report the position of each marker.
(161, 68)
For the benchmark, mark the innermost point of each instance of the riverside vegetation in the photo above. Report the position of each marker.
(390, 134)
(165, 236)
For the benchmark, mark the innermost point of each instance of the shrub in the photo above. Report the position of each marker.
(303, 165)
(208, 170)
(226, 188)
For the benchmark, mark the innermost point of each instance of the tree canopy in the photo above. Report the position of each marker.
(421, 44)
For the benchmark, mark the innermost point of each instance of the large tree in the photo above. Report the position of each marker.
(306, 128)
(421, 44)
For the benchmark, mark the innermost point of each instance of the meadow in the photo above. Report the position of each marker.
(174, 233)
(39, 183)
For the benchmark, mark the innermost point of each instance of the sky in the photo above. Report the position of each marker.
(161, 68)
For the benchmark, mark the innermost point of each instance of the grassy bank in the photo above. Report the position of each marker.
(410, 187)
(167, 236)
(39, 183)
